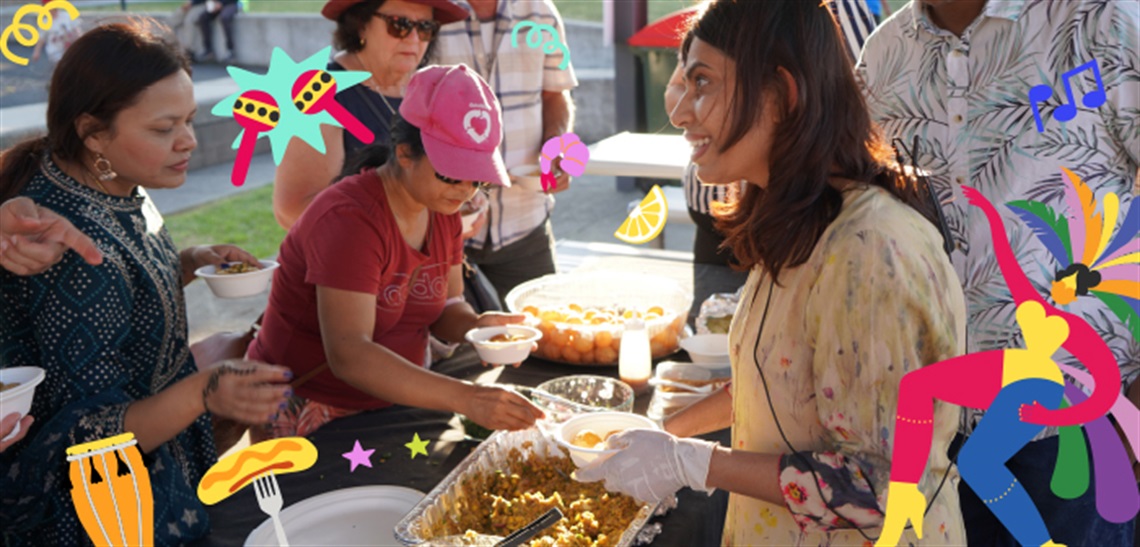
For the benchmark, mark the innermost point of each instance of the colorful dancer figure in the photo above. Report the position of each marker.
(1092, 260)
(1022, 390)
(112, 495)
(315, 91)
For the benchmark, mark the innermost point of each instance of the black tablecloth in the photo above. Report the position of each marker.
(696, 521)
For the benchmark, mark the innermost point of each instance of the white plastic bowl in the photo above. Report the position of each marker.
(528, 176)
(707, 350)
(238, 285)
(503, 353)
(19, 398)
(601, 423)
(469, 220)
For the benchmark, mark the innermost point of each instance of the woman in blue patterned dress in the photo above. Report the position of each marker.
(112, 338)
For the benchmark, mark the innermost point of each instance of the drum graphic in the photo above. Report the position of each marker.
(110, 488)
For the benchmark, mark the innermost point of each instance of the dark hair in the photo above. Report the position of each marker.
(350, 25)
(100, 74)
(375, 155)
(828, 133)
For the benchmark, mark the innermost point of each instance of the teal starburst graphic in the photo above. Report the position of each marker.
(278, 83)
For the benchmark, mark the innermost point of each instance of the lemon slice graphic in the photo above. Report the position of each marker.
(646, 220)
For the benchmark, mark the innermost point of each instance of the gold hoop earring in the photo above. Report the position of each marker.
(103, 166)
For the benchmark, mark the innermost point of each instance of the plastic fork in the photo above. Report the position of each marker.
(270, 500)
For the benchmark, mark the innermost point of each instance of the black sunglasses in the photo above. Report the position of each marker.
(478, 185)
(399, 27)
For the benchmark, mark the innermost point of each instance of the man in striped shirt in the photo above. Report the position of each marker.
(516, 243)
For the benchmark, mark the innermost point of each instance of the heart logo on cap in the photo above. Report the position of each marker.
(475, 135)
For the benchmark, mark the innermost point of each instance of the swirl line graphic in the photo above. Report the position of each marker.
(534, 39)
(26, 34)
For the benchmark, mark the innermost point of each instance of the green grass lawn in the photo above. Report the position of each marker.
(245, 220)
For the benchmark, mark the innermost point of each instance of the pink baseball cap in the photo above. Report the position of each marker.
(460, 123)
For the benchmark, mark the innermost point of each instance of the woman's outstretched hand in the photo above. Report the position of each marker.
(8, 424)
(33, 238)
(494, 407)
(652, 464)
(246, 391)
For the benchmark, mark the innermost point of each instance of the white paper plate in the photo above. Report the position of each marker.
(364, 515)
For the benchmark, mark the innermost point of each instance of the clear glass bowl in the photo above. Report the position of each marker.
(582, 393)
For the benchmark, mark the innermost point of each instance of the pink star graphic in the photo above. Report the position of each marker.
(359, 456)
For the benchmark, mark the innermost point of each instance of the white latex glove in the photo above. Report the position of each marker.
(652, 465)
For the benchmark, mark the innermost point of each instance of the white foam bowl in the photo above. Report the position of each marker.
(503, 353)
(600, 423)
(19, 398)
(707, 350)
(238, 285)
(469, 220)
(528, 176)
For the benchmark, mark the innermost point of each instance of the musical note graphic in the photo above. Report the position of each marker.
(534, 39)
(44, 21)
(1068, 110)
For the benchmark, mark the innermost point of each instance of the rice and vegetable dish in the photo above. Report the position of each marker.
(499, 503)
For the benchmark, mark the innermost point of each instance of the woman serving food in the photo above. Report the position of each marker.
(375, 264)
(848, 290)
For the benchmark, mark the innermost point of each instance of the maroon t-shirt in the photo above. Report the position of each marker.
(348, 239)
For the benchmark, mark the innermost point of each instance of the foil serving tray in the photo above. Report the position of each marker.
(429, 517)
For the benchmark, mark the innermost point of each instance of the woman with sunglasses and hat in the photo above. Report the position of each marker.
(374, 265)
(389, 39)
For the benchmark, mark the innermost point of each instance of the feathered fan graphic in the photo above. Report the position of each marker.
(1093, 260)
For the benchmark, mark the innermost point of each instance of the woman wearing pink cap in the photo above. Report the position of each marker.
(389, 39)
(374, 265)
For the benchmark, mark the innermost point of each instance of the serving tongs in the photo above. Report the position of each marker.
(524, 534)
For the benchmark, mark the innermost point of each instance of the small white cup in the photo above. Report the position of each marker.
(528, 176)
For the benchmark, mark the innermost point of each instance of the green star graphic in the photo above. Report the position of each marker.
(417, 446)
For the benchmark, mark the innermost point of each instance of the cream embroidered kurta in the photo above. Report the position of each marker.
(877, 298)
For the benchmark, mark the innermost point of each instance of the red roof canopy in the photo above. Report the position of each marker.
(665, 32)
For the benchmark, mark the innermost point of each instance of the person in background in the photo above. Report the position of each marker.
(517, 244)
(112, 337)
(941, 71)
(226, 10)
(56, 39)
(375, 264)
(184, 22)
(848, 289)
(880, 9)
(389, 39)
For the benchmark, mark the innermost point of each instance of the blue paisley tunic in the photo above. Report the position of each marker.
(107, 336)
